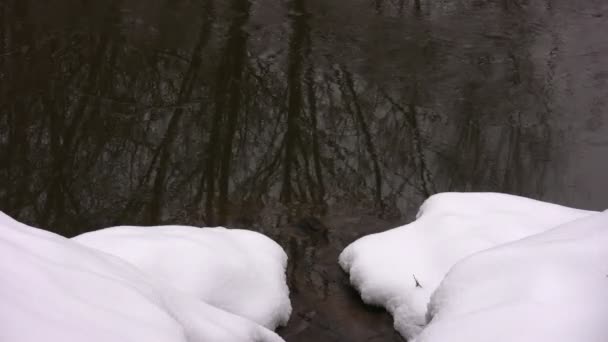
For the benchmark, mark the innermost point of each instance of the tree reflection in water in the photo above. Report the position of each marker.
(272, 115)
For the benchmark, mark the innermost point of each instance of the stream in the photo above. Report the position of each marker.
(315, 122)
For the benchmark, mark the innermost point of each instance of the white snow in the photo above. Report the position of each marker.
(240, 271)
(56, 289)
(400, 269)
(473, 267)
(549, 287)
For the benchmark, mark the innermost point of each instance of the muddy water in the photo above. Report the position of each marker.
(313, 121)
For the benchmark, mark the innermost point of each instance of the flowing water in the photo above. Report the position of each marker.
(313, 121)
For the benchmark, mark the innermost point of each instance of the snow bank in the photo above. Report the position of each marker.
(55, 289)
(399, 269)
(240, 271)
(549, 287)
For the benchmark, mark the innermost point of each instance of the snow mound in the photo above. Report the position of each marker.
(399, 269)
(240, 271)
(55, 289)
(549, 287)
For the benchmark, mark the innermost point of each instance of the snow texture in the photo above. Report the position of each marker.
(401, 268)
(56, 289)
(549, 287)
(240, 271)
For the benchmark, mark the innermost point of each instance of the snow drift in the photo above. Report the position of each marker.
(56, 289)
(240, 271)
(549, 287)
(401, 268)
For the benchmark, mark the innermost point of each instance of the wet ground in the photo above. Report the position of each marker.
(313, 121)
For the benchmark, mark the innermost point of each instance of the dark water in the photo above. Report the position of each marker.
(313, 121)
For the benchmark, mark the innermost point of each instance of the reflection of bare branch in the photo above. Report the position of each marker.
(227, 102)
(299, 30)
(411, 117)
(162, 154)
(350, 87)
(315, 138)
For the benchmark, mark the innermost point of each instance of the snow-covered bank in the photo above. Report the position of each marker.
(401, 268)
(240, 271)
(549, 287)
(56, 289)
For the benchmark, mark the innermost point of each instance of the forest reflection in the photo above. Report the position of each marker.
(258, 113)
